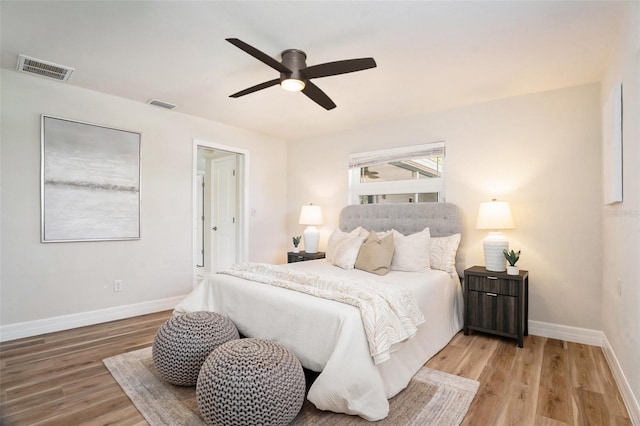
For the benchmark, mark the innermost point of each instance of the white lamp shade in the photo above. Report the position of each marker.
(311, 215)
(495, 215)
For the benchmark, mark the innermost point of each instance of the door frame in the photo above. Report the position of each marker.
(242, 249)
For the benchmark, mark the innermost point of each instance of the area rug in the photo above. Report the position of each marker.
(432, 397)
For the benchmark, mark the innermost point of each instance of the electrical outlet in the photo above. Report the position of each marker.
(619, 286)
(117, 286)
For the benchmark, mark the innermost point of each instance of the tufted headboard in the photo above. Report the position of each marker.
(443, 219)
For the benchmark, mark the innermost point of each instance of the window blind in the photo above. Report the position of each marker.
(358, 161)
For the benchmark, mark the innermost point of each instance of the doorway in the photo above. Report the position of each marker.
(219, 220)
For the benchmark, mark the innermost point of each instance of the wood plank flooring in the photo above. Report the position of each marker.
(548, 382)
(59, 378)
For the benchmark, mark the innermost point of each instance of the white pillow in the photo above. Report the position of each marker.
(346, 252)
(412, 252)
(337, 237)
(381, 235)
(443, 253)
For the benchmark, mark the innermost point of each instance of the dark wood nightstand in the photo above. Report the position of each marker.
(302, 256)
(497, 303)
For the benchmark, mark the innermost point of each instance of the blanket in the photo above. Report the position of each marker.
(389, 314)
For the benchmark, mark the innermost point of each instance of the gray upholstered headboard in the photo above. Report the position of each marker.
(442, 219)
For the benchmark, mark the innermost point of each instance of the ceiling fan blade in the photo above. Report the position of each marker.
(314, 93)
(256, 88)
(338, 67)
(261, 56)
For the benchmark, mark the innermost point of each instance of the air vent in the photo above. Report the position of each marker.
(161, 104)
(43, 68)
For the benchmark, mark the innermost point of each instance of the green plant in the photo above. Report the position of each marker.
(296, 240)
(511, 256)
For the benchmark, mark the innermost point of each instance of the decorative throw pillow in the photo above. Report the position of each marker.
(343, 247)
(443, 253)
(336, 237)
(412, 252)
(375, 254)
(346, 252)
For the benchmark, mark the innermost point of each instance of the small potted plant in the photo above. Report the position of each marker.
(512, 257)
(296, 241)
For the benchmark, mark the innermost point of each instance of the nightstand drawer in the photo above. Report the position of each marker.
(492, 284)
(303, 256)
(489, 311)
(296, 257)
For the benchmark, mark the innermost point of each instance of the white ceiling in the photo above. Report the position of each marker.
(430, 55)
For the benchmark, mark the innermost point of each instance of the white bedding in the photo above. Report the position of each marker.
(389, 314)
(328, 336)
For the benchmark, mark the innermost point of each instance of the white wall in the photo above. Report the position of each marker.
(46, 280)
(540, 152)
(621, 222)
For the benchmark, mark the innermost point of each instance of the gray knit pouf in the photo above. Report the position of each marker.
(250, 382)
(184, 342)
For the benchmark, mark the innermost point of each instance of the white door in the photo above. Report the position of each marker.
(199, 220)
(224, 213)
(224, 207)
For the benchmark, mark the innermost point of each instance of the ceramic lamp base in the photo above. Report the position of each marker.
(494, 244)
(311, 237)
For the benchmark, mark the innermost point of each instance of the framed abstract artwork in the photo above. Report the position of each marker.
(90, 182)
(612, 146)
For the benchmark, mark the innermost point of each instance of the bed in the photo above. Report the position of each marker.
(328, 336)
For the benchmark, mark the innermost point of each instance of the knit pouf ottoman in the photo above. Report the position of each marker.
(250, 382)
(184, 342)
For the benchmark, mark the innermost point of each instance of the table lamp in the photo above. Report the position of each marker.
(495, 215)
(311, 216)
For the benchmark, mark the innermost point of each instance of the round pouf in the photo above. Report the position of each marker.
(183, 343)
(250, 382)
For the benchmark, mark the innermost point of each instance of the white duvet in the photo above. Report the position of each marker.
(389, 314)
(329, 337)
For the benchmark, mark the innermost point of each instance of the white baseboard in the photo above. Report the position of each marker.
(594, 338)
(568, 333)
(66, 322)
(633, 406)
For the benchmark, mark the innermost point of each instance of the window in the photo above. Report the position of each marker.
(411, 174)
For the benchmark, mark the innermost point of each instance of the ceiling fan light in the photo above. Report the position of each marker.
(292, 85)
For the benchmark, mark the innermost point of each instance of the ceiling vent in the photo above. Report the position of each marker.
(161, 104)
(43, 68)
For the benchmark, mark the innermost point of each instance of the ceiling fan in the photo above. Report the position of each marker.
(296, 76)
(371, 174)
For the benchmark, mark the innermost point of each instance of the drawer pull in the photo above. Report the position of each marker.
(492, 294)
(492, 278)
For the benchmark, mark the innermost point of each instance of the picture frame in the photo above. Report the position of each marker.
(612, 155)
(90, 181)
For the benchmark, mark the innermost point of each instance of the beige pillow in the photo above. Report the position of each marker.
(375, 254)
(412, 252)
(443, 253)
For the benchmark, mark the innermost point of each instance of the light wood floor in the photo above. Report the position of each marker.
(59, 378)
(548, 382)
